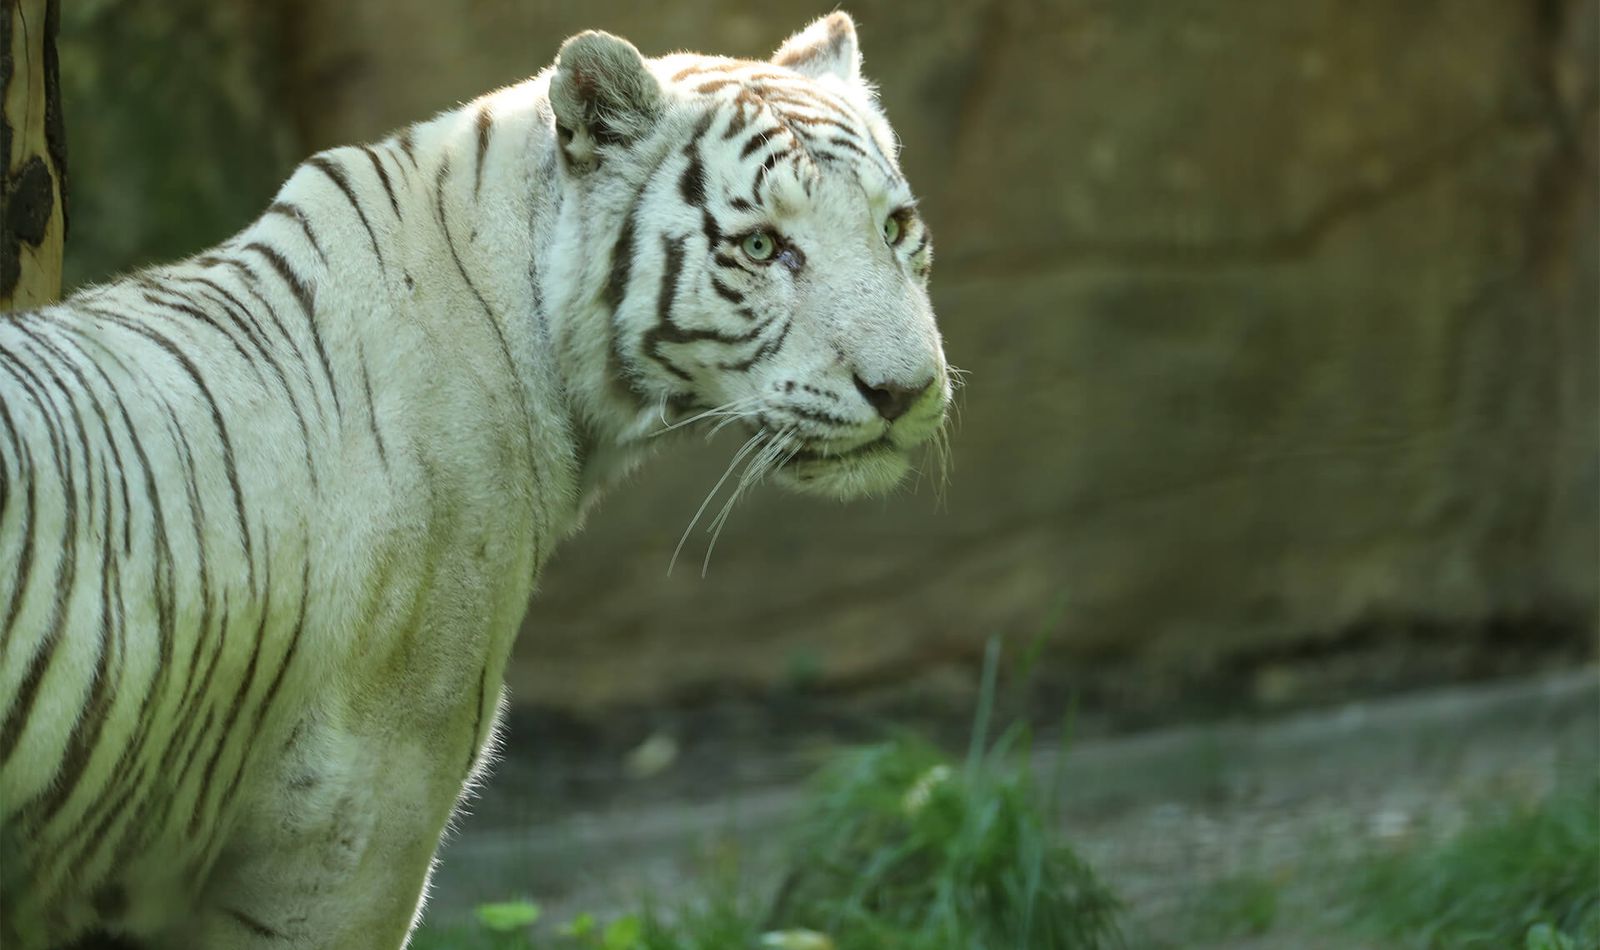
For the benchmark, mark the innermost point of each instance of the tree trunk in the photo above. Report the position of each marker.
(33, 180)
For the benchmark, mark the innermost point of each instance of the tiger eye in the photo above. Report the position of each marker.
(759, 246)
(891, 230)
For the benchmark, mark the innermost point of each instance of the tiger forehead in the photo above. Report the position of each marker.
(814, 127)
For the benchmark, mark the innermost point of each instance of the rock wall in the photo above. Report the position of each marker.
(1281, 321)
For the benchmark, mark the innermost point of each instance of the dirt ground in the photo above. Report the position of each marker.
(1164, 814)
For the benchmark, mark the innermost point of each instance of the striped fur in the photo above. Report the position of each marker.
(270, 517)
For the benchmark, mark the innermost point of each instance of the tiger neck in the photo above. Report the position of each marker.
(578, 229)
(553, 312)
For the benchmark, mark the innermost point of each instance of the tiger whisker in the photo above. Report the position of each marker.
(726, 422)
(735, 408)
(752, 472)
(945, 462)
(737, 457)
(763, 462)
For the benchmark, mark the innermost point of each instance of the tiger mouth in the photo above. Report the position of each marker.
(807, 456)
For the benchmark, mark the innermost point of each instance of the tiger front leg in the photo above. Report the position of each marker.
(336, 848)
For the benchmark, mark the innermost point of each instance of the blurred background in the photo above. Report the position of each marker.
(1281, 321)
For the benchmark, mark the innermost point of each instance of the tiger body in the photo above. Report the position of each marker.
(272, 515)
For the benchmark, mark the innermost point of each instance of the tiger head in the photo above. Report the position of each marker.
(769, 267)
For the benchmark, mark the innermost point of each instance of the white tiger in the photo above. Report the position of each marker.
(270, 517)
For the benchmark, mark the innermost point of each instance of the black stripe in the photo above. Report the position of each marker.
(621, 260)
(254, 926)
(744, 100)
(847, 145)
(302, 295)
(202, 735)
(284, 663)
(693, 183)
(186, 306)
(762, 172)
(726, 292)
(494, 324)
(111, 574)
(194, 687)
(664, 328)
(616, 289)
(239, 696)
(25, 532)
(872, 140)
(673, 249)
(817, 415)
(95, 403)
(85, 735)
(405, 145)
(164, 601)
(228, 464)
(765, 350)
(728, 260)
(44, 360)
(771, 161)
(128, 784)
(710, 228)
(233, 307)
(449, 240)
(921, 244)
(292, 212)
(737, 122)
(757, 142)
(806, 119)
(336, 174)
(251, 281)
(277, 369)
(72, 367)
(485, 124)
(21, 707)
(99, 408)
(383, 176)
(372, 410)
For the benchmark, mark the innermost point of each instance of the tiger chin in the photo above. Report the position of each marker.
(270, 516)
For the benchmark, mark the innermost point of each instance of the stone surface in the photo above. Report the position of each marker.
(1281, 322)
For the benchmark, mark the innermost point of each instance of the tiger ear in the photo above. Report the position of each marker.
(602, 93)
(825, 48)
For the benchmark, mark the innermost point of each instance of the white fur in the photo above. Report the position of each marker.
(405, 550)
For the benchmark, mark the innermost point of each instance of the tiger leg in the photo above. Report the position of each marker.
(336, 849)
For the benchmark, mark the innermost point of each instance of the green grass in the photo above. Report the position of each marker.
(898, 847)
(1515, 877)
(1512, 869)
(1244, 905)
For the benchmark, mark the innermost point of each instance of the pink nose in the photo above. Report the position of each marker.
(890, 399)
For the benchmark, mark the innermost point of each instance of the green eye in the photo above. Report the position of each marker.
(759, 246)
(891, 230)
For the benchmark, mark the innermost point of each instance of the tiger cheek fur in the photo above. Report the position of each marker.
(272, 514)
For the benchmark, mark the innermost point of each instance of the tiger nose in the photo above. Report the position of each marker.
(891, 399)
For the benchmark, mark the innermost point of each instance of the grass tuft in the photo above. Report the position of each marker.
(899, 847)
(1517, 875)
(902, 848)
